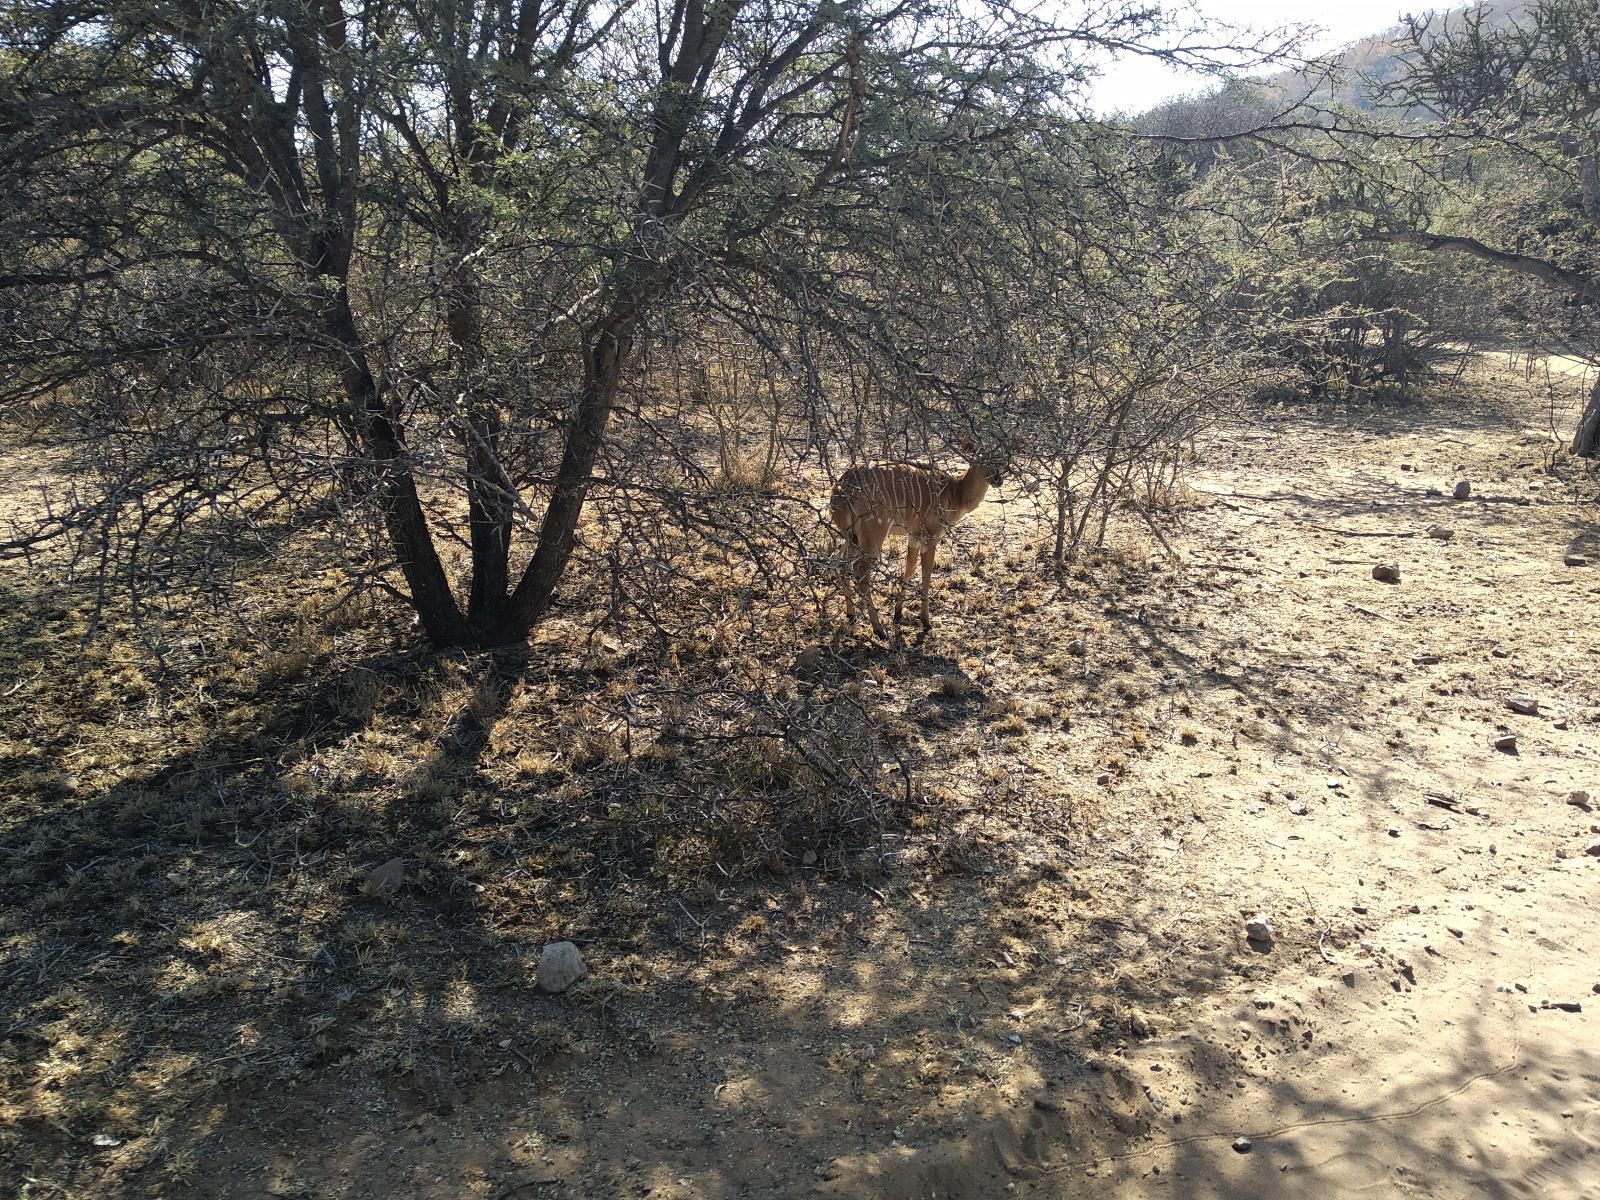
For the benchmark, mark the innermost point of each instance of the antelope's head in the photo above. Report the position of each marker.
(993, 462)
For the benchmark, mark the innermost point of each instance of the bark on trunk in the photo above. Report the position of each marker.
(609, 347)
(1586, 442)
(489, 494)
(404, 520)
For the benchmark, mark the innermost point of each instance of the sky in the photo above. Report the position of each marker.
(1136, 84)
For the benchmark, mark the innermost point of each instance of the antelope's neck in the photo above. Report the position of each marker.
(967, 492)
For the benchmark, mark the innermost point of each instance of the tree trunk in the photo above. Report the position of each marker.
(608, 349)
(403, 518)
(490, 499)
(1586, 442)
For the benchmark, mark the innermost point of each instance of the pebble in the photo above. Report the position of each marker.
(1526, 705)
(1015, 1039)
(1575, 560)
(1454, 932)
(1579, 799)
(1259, 929)
(560, 966)
(1440, 533)
(1506, 743)
(1242, 1145)
(1463, 490)
(1593, 848)
(1297, 807)
(1386, 573)
(1394, 831)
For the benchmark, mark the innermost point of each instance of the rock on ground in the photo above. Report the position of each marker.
(560, 966)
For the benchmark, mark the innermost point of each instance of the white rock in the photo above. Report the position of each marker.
(560, 966)
(1259, 929)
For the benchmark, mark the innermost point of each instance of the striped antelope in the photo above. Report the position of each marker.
(868, 502)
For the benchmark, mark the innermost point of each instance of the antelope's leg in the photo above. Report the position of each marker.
(862, 569)
(928, 551)
(851, 553)
(913, 548)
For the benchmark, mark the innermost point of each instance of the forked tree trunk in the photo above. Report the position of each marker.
(609, 347)
(403, 517)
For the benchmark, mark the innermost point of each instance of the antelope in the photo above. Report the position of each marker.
(868, 502)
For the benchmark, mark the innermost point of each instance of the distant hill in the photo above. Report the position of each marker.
(1357, 68)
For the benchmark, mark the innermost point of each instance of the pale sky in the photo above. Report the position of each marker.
(1137, 84)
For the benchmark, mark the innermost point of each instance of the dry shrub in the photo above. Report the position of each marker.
(773, 789)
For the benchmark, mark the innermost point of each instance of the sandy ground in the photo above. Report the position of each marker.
(1078, 1012)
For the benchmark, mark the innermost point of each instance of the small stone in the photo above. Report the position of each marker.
(1463, 490)
(1579, 799)
(1259, 930)
(1506, 743)
(1563, 1005)
(560, 966)
(1298, 807)
(1103, 779)
(1526, 705)
(1015, 1039)
(1242, 1145)
(1440, 533)
(1575, 560)
(1394, 831)
(385, 879)
(1560, 723)
(1593, 848)
(1348, 979)
(1500, 652)
(1077, 647)
(1415, 908)
(1454, 932)
(1386, 573)
(106, 1141)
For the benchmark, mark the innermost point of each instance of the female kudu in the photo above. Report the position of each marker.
(924, 501)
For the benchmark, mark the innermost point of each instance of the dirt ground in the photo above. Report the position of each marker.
(1049, 995)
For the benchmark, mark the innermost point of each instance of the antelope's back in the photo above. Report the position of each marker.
(901, 493)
